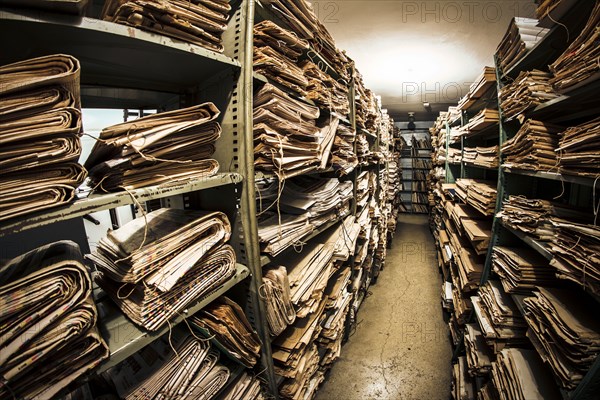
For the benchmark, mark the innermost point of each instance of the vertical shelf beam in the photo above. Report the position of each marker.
(248, 198)
(487, 267)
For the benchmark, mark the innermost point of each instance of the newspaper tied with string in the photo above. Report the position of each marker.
(343, 157)
(287, 140)
(40, 129)
(576, 251)
(200, 22)
(303, 204)
(244, 387)
(276, 53)
(178, 365)
(579, 65)
(275, 291)
(303, 21)
(529, 89)
(367, 115)
(325, 91)
(578, 150)
(157, 265)
(296, 355)
(165, 148)
(533, 147)
(223, 321)
(338, 299)
(48, 333)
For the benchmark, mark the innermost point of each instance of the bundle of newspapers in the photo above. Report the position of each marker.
(164, 148)
(48, 331)
(156, 265)
(40, 129)
(201, 22)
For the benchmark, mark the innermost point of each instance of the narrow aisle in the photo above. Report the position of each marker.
(400, 349)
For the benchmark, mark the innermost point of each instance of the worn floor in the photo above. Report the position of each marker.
(400, 349)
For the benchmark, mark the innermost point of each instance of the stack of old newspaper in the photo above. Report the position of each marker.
(40, 129)
(48, 332)
(200, 22)
(174, 146)
(156, 265)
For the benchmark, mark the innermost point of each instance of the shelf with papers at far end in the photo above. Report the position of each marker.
(124, 338)
(266, 259)
(580, 180)
(111, 55)
(106, 201)
(538, 246)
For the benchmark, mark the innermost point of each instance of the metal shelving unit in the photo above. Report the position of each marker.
(124, 67)
(509, 180)
(412, 155)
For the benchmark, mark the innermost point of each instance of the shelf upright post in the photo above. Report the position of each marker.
(352, 259)
(447, 167)
(249, 221)
(500, 185)
(352, 116)
(464, 119)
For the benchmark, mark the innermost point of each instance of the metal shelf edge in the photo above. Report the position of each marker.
(126, 338)
(102, 202)
(580, 180)
(534, 244)
(107, 27)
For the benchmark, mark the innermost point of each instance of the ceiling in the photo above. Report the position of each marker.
(411, 52)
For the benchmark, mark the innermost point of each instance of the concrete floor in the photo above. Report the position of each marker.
(400, 349)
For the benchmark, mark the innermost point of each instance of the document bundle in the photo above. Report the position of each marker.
(40, 130)
(178, 365)
(529, 89)
(276, 53)
(479, 354)
(48, 333)
(224, 322)
(500, 320)
(578, 63)
(519, 39)
(578, 150)
(156, 265)
(521, 269)
(569, 335)
(478, 193)
(200, 22)
(305, 203)
(479, 88)
(164, 148)
(520, 374)
(533, 147)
